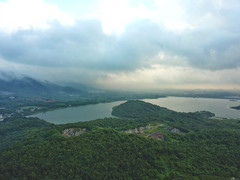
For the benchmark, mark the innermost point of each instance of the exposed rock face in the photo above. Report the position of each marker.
(156, 135)
(175, 130)
(139, 130)
(172, 129)
(73, 132)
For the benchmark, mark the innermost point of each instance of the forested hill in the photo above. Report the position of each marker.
(236, 107)
(146, 112)
(147, 142)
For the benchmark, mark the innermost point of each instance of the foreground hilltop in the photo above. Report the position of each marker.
(202, 148)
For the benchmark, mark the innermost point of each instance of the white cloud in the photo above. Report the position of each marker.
(27, 14)
(115, 15)
(171, 14)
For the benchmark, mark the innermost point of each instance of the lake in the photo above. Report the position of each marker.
(221, 108)
(79, 113)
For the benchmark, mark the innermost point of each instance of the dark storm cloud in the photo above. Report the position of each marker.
(85, 45)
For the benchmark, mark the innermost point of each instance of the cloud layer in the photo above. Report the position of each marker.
(207, 40)
(141, 45)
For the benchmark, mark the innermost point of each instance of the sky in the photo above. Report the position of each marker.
(123, 45)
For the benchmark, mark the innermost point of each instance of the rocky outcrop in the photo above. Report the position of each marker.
(172, 129)
(73, 132)
(156, 135)
(139, 130)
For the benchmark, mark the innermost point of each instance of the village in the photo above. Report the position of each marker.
(19, 112)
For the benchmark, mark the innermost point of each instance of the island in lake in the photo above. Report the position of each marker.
(236, 107)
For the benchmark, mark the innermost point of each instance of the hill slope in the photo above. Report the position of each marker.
(209, 149)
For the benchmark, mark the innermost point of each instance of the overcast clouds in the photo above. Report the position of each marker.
(133, 44)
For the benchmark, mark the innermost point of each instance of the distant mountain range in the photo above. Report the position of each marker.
(30, 87)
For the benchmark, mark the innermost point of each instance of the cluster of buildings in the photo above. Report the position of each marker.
(18, 111)
(6, 115)
(21, 111)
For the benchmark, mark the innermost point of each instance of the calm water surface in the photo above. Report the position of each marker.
(221, 108)
(80, 113)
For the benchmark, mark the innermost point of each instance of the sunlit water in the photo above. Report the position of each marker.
(221, 108)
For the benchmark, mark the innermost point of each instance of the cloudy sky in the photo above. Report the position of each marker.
(127, 44)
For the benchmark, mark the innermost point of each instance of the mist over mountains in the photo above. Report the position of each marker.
(28, 87)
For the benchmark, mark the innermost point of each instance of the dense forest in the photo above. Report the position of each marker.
(144, 141)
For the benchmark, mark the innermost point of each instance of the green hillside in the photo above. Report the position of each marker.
(123, 148)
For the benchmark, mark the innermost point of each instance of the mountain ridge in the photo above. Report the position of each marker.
(27, 86)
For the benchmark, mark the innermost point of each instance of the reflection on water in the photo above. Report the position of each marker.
(221, 108)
